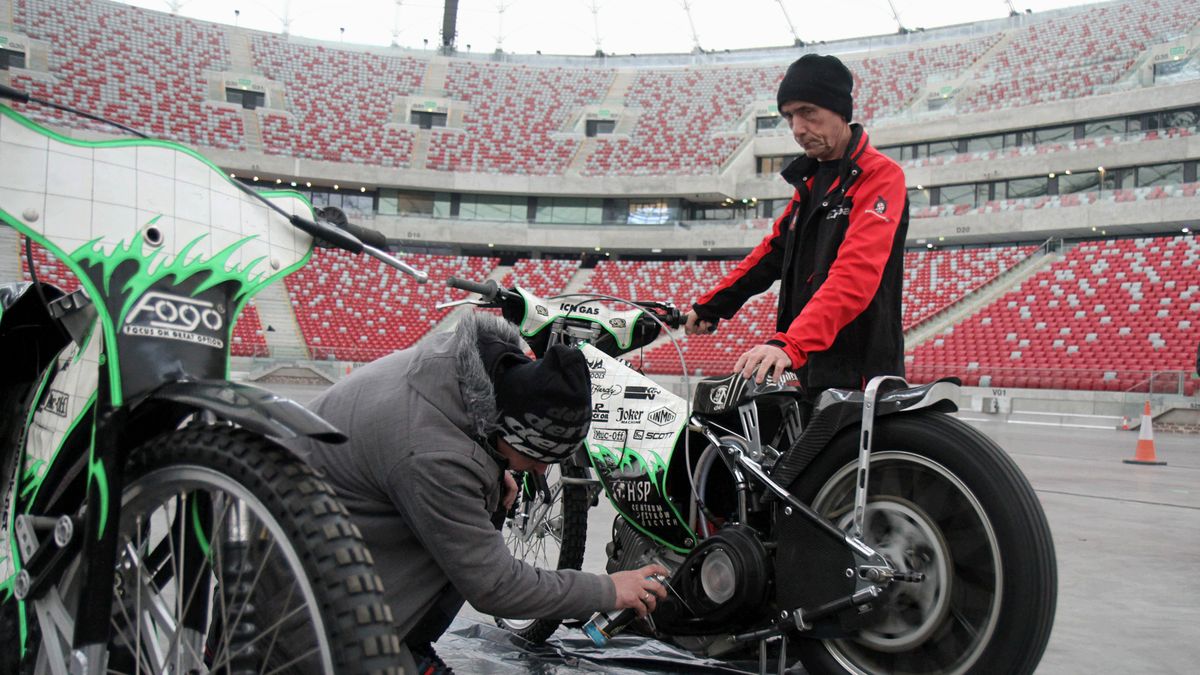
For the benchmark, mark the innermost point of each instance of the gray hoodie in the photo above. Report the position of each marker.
(422, 490)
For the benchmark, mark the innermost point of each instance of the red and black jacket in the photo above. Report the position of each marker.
(839, 303)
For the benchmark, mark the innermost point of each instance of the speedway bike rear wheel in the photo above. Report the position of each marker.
(234, 557)
(945, 501)
(547, 533)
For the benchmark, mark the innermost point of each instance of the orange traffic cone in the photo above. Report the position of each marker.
(1145, 445)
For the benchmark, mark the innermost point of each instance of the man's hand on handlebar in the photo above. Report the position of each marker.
(697, 326)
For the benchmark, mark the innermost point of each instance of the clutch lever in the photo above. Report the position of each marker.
(458, 303)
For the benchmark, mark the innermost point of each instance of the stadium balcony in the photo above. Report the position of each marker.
(349, 310)
(339, 103)
(1115, 315)
(1083, 144)
(134, 66)
(1122, 196)
(248, 337)
(514, 114)
(936, 279)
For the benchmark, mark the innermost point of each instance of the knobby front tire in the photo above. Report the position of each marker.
(230, 536)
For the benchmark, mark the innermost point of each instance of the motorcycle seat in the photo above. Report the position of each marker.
(716, 395)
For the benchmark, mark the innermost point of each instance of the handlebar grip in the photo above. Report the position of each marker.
(13, 94)
(488, 289)
(372, 238)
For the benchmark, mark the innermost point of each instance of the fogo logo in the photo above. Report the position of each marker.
(174, 317)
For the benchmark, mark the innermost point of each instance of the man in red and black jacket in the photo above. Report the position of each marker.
(837, 250)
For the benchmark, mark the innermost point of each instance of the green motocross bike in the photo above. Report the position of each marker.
(152, 522)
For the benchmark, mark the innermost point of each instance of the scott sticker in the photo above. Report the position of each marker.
(175, 317)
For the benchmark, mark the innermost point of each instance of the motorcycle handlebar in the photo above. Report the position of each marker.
(489, 289)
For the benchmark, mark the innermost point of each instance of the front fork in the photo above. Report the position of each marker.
(48, 547)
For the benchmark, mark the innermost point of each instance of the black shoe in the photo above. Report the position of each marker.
(429, 663)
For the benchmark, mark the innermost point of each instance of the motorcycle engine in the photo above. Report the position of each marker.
(721, 585)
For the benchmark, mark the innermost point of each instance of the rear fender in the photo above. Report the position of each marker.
(840, 409)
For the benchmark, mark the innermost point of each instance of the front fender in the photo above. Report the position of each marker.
(251, 407)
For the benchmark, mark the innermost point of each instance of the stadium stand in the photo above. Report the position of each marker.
(543, 277)
(1071, 56)
(135, 66)
(513, 118)
(339, 102)
(351, 310)
(1105, 317)
(681, 114)
(934, 280)
(248, 337)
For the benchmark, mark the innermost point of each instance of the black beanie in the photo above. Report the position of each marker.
(821, 80)
(545, 405)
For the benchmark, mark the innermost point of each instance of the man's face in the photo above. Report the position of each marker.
(821, 132)
(517, 461)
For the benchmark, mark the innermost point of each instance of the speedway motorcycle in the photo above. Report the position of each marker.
(151, 520)
(879, 534)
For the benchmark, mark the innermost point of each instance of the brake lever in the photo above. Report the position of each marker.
(458, 303)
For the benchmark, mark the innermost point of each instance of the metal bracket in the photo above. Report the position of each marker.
(864, 450)
(748, 414)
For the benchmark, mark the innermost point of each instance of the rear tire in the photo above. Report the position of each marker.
(945, 500)
(551, 539)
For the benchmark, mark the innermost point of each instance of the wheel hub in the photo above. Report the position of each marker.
(907, 537)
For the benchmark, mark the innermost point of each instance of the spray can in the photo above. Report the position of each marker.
(603, 626)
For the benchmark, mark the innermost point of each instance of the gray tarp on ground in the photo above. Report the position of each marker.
(485, 649)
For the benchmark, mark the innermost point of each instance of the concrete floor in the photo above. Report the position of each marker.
(1127, 537)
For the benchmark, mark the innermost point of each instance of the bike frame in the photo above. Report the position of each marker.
(744, 453)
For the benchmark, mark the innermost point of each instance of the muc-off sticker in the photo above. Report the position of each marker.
(635, 425)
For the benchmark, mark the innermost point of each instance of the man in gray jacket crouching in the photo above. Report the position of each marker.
(433, 432)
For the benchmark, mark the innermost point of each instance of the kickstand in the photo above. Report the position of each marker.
(762, 655)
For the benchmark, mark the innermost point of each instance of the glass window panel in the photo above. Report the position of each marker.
(1023, 188)
(1012, 139)
(1054, 135)
(1087, 181)
(958, 194)
(938, 148)
(1181, 119)
(388, 202)
(648, 212)
(767, 123)
(441, 205)
(494, 208)
(1160, 174)
(895, 152)
(1102, 128)
(918, 199)
(985, 143)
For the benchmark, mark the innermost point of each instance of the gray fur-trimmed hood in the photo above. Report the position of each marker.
(477, 341)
